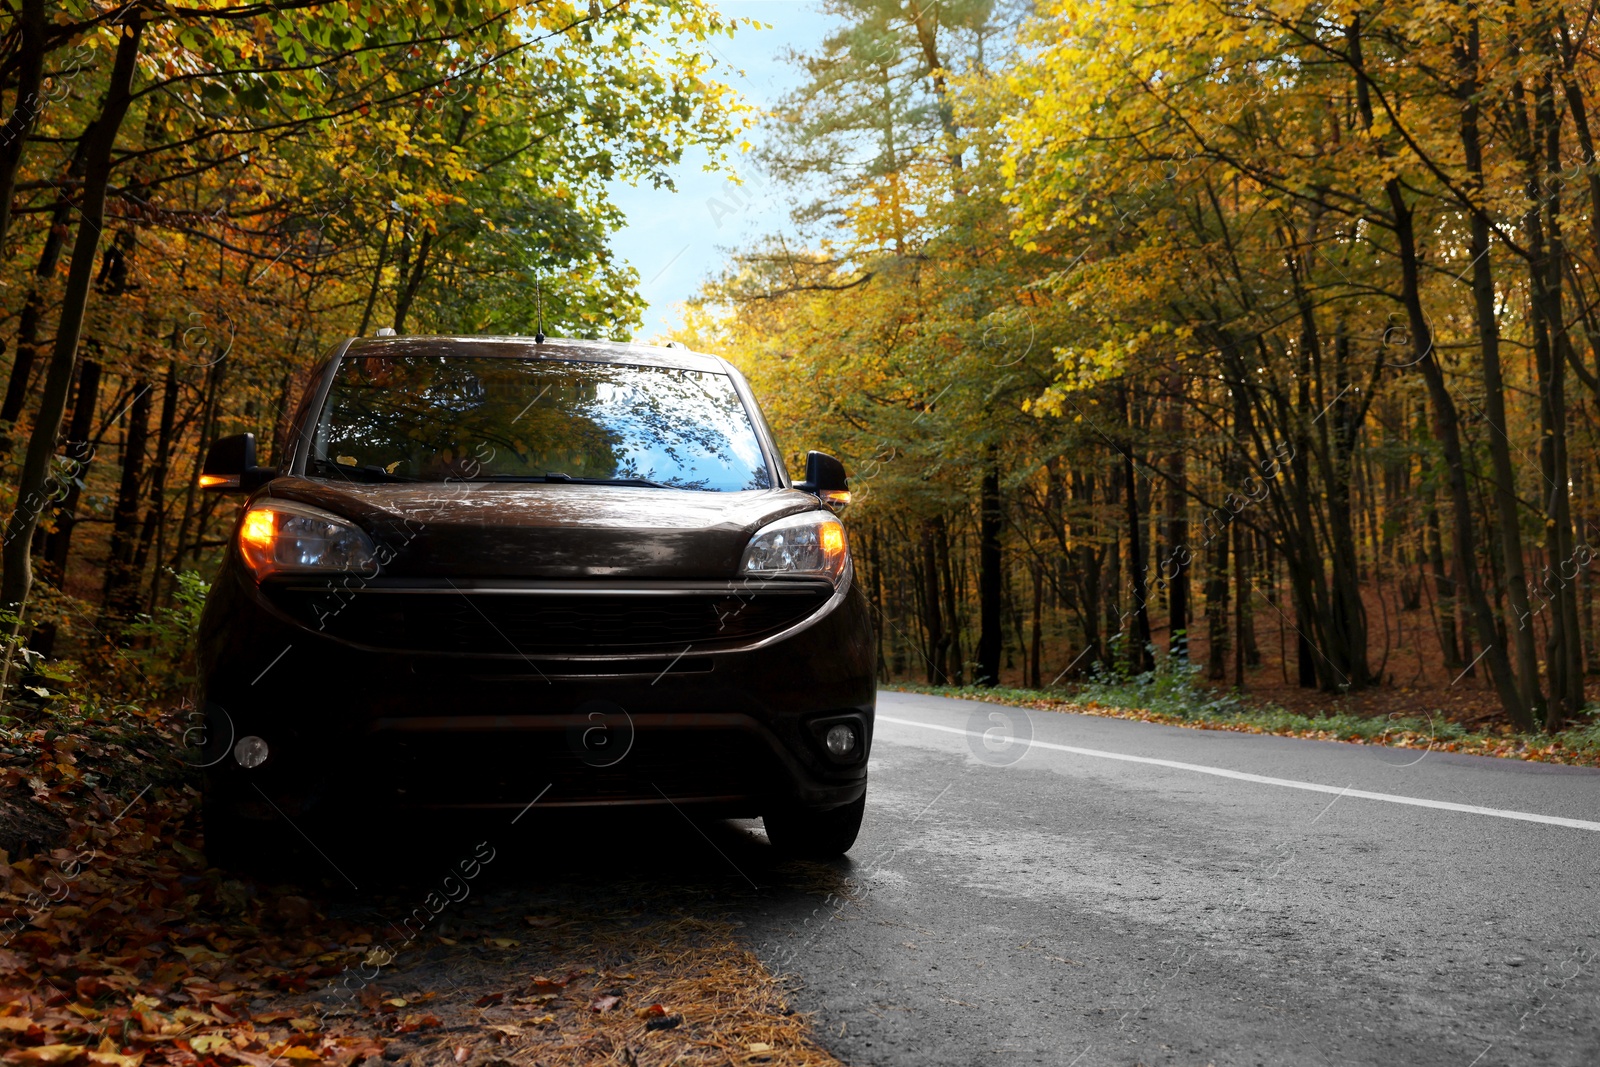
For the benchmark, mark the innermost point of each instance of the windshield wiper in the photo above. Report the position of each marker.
(369, 473)
(557, 476)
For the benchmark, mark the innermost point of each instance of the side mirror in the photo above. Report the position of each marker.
(230, 466)
(826, 478)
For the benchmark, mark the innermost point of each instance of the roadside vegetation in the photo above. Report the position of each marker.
(1173, 695)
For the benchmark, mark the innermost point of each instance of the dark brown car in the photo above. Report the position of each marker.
(500, 571)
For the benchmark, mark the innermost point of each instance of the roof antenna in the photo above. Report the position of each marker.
(538, 303)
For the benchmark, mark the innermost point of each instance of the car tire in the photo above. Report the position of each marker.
(226, 834)
(234, 842)
(809, 833)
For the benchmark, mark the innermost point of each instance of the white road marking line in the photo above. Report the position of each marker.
(1288, 783)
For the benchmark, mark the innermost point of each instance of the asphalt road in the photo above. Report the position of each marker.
(1274, 903)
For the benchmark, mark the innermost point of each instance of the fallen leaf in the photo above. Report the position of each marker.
(502, 942)
(489, 1000)
(653, 1011)
(540, 920)
(46, 1054)
(417, 1022)
(462, 1052)
(605, 1003)
(205, 1044)
(759, 1046)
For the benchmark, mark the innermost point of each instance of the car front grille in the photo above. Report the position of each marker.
(535, 621)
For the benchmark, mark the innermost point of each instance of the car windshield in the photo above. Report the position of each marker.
(492, 418)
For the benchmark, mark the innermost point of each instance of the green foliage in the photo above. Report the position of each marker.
(160, 661)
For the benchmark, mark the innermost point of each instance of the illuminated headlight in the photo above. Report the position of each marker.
(279, 535)
(809, 544)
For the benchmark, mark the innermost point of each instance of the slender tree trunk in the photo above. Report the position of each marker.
(412, 281)
(1444, 589)
(32, 24)
(1488, 329)
(933, 621)
(1177, 521)
(881, 622)
(954, 662)
(122, 581)
(377, 276)
(989, 569)
(208, 420)
(1217, 605)
(79, 452)
(1036, 644)
(155, 516)
(1140, 659)
(1244, 623)
(1116, 618)
(1244, 547)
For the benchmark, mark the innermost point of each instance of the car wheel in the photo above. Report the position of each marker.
(235, 842)
(226, 834)
(807, 833)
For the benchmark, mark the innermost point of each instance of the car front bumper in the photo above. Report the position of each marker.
(727, 725)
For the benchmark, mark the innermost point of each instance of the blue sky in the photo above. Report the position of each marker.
(676, 239)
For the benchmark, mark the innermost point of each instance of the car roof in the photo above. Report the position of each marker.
(526, 348)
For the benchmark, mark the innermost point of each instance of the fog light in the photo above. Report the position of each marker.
(841, 739)
(251, 752)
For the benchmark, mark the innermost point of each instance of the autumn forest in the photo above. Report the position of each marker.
(1257, 340)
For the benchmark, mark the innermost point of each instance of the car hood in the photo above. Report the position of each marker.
(543, 530)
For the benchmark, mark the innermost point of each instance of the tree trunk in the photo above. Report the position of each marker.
(989, 566)
(954, 662)
(1177, 522)
(122, 581)
(156, 513)
(1444, 590)
(933, 621)
(1217, 606)
(1140, 658)
(1036, 644)
(79, 452)
(411, 281)
(377, 276)
(33, 23)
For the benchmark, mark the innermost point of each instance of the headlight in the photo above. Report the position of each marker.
(811, 543)
(278, 535)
